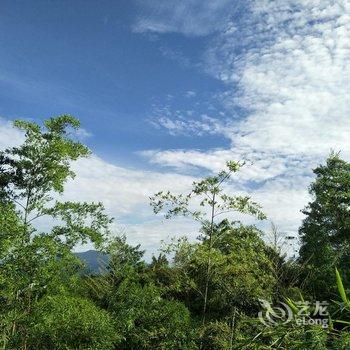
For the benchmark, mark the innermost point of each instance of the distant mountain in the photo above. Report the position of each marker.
(93, 260)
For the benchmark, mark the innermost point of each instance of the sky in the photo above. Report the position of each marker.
(168, 91)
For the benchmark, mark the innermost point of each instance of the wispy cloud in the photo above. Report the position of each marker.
(294, 81)
(176, 55)
(182, 124)
(191, 17)
(32, 87)
(190, 93)
(82, 134)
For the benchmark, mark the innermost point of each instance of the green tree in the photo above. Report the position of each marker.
(241, 273)
(325, 232)
(35, 263)
(123, 255)
(213, 203)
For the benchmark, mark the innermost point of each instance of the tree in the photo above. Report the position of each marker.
(35, 263)
(241, 273)
(123, 255)
(213, 202)
(325, 232)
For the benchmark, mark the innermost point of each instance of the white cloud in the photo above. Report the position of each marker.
(295, 83)
(183, 125)
(155, 231)
(190, 93)
(279, 183)
(191, 17)
(287, 63)
(125, 194)
(9, 136)
(123, 191)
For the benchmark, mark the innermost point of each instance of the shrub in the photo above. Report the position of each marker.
(68, 322)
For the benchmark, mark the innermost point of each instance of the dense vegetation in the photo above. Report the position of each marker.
(194, 295)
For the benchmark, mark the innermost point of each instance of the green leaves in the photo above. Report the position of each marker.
(205, 203)
(11, 229)
(208, 195)
(341, 289)
(325, 231)
(59, 124)
(35, 264)
(83, 222)
(241, 204)
(174, 205)
(64, 322)
(234, 166)
(146, 320)
(42, 163)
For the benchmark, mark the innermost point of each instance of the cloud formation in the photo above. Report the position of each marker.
(191, 17)
(295, 83)
(286, 63)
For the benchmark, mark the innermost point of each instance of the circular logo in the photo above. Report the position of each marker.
(272, 315)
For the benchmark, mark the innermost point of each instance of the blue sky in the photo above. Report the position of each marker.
(83, 58)
(168, 91)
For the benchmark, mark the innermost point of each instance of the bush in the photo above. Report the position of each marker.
(250, 334)
(68, 322)
(148, 321)
(343, 342)
(216, 336)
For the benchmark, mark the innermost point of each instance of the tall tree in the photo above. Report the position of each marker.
(33, 262)
(325, 232)
(209, 195)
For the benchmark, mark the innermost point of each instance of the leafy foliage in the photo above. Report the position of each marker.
(193, 295)
(325, 231)
(213, 202)
(35, 263)
(68, 322)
